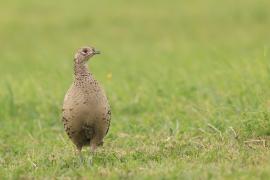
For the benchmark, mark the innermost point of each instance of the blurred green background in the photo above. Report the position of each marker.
(188, 82)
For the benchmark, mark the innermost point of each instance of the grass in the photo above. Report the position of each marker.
(188, 83)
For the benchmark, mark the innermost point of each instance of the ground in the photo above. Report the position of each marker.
(188, 83)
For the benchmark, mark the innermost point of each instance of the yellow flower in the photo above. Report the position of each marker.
(109, 76)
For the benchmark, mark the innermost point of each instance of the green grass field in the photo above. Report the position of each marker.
(188, 83)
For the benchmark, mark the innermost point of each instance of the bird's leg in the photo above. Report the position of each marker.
(93, 147)
(79, 150)
(79, 154)
(92, 153)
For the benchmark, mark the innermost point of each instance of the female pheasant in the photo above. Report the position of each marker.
(86, 111)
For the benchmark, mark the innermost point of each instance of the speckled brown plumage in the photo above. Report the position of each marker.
(86, 112)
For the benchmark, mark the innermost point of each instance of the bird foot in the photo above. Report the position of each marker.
(81, 159)
(91, 157)
(90, 160)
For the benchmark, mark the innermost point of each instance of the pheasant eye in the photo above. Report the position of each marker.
(84, 51)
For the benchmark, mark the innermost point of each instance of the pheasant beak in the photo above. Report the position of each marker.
(96, 52)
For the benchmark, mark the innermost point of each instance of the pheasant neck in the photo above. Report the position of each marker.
(81, 69)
